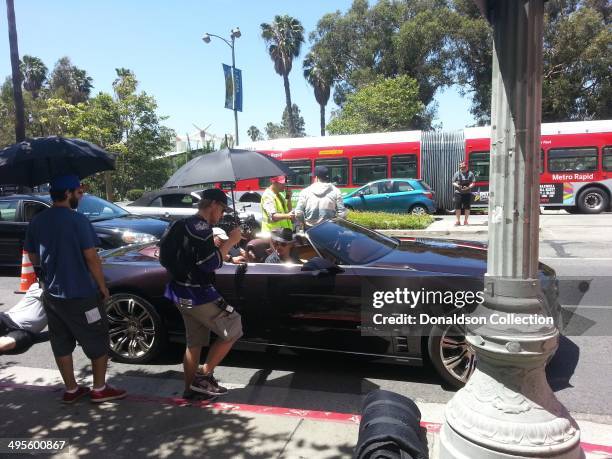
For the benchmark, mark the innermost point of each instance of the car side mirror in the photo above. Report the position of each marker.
(321, 267)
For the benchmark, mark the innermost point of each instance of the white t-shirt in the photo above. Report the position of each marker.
(29, 314)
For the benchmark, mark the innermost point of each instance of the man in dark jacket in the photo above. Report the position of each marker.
(463, 182)
(202, 307)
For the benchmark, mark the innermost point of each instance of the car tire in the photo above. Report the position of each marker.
(593, 201)
(450, 355)
(419, 209)
(136, 331)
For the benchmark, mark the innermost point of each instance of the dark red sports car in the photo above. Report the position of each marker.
(316, 305)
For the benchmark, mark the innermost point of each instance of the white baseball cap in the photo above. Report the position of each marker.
(218, 232)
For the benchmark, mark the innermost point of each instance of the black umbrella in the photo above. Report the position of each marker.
(37, 161)
(227, 165)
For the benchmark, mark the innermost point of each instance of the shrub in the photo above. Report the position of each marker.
(386, 220)
(133, 195)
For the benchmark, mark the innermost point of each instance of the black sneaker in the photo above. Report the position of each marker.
(207, 385)
(196, 396)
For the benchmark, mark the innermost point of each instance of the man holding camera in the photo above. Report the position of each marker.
(463, 182)
(189, 253)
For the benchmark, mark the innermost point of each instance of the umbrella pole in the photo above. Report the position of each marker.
(236, 219)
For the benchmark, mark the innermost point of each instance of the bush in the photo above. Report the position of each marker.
(386, 220)
(133, 195)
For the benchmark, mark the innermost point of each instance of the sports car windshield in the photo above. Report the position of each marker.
(350, 244)
(97, 209)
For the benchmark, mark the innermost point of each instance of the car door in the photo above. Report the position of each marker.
(379, 199)
(12, 232)
(403, 196)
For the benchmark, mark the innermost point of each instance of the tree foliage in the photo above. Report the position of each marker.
(320, 76)
(125, 122)
(254, 133)
(390, 104)
(282, 130)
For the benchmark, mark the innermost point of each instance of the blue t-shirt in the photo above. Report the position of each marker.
(59, 235)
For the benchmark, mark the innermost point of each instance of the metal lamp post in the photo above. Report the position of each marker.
(507, 409)
(235, 33)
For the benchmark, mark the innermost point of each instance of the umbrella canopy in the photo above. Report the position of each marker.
(228, 165)
(38, 160)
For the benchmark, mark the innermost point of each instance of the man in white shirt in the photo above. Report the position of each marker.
(20, 324)
(320, 201)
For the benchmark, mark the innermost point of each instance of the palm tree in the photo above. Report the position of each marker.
(321, 79)
(34, 74)
(17, 95)
(284, 38)
(254, 133)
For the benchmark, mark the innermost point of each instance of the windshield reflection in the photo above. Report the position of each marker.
(346, 243)
(97, 209)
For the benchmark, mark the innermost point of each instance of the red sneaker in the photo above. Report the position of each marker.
(109, 393)
(71, 398)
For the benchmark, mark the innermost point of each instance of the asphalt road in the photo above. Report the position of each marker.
(579, 373)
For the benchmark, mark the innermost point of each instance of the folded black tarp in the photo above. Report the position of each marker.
(389, 428)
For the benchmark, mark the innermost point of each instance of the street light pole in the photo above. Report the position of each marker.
(507, 408)
(235, 33)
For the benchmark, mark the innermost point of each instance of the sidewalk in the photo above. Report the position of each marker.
(153, 423)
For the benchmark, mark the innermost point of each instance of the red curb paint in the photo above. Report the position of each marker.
(330, 416)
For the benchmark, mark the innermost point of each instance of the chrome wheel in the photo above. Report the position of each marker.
(133, 328)
(593, 201)
(418, 210)
(457, 357)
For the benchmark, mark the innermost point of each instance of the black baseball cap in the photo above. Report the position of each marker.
(217, 195)
(321, 172)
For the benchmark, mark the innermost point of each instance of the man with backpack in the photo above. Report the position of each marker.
(189, 254)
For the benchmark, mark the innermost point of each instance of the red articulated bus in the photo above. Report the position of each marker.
(575, 162)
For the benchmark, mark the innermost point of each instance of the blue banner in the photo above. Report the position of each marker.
(229, 87)
(237, 89)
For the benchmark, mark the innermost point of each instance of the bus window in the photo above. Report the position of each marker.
(338, 169)
(370, 168)
(302, 170)
(301, 177)
(572, 159)
(607, 159)
(404, 166)
(479, 165)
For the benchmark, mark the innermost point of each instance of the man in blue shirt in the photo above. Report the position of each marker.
(63, 243)
(202, 307)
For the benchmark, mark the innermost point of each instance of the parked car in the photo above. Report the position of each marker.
(114, 226)
(300, 309)
(393, 195)
(175, 203)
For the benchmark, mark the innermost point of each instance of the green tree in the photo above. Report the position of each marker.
(284, 38)
(69, 82)
(282, 130)
(390, 104)
(320, 76)
(254, 133)
(34, 73)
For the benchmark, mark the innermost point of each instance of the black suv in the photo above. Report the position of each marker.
(114, 226)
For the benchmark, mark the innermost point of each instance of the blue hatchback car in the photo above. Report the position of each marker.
(393, 195)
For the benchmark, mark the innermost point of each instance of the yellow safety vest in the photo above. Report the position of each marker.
(280, 204)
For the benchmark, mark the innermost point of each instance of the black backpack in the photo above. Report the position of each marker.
(175, 251)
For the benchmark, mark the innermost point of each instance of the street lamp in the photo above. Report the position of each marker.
(234, 33)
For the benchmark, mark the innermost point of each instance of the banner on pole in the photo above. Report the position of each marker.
(237, 89)
(229, 87)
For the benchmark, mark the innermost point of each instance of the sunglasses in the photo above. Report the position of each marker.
(282, 244)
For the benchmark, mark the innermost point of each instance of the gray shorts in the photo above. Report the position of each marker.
(73, 320)
(201, 319)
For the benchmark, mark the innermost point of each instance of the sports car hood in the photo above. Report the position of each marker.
(436, 255)
(135, 223)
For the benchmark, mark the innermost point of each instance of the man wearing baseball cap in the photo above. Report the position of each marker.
(194, 294)
(320, 201)
(276, 208)
(63, 243)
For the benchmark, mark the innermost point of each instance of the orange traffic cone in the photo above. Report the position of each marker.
(28, 276)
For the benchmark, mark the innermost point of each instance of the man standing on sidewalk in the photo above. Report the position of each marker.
(276, 208)
(191, 261)
(63, 243)
(320, 201)
(463, 182)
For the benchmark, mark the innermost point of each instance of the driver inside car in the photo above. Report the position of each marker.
(283, 243)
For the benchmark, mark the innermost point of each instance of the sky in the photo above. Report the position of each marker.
(160, 40)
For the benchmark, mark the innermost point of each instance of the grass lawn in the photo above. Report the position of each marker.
(386, 220)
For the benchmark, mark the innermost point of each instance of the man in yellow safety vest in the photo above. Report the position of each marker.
(276, 208)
